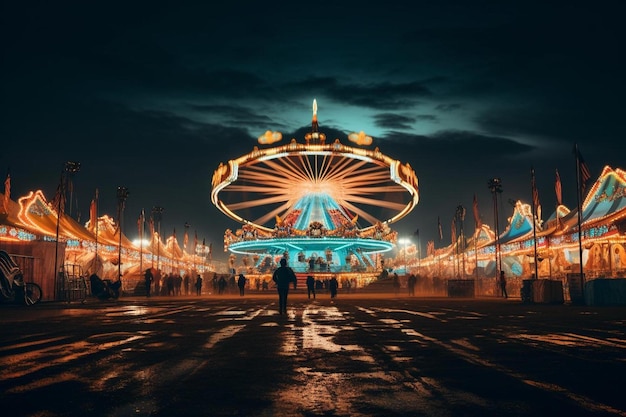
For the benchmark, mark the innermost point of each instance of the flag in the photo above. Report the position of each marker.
(58, 203)
(558, 190)
(533, 184)
(477, 220)
(140, 223)
(7, 193)
(151, 227)
(453, 230)
(430, 248)
(583, 170)
(93, 214)
(439, 228)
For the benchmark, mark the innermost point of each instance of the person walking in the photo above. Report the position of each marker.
(241, 283)
(310, 286)
(283, 276)
(503, 285)
(411, 284)
(198, 285)
(221, 285)
(148, 278)
(333, 285)
(396, 283)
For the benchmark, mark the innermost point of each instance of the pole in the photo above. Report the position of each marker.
(56, 246)
(495, 185)
(157, 214)
(476, 234)
(70, 167)
(579, 217)
(535, 219)
(95, 258)
(122, 194)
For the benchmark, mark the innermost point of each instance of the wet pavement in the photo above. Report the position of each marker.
(357, 355)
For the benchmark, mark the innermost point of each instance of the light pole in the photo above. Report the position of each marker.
(495, 186)
(122, 195)
(157, 215)
(69, 168)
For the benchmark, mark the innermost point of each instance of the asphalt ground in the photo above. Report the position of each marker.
(357, 355)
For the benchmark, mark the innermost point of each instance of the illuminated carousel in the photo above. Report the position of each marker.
(327, 207)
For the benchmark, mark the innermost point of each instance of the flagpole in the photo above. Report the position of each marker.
(476, 234)
(579, 219)
(477, 226)
(533, 186)
(95, 259)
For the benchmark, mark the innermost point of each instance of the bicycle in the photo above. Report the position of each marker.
(12, 284)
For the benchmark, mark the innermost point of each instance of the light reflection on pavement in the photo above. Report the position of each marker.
(356, 356)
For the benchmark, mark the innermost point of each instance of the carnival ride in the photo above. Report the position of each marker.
(329, 203)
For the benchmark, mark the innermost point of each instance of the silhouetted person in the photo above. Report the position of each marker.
(503, 284)
(241, 283)
(310, 286)
(157, 282)
(283, 276)
(333, 285)
(396, 283)
(169, 281)
(198, 285)
(178, 284)
(148, 278)
(186, 281)
(221, 285)
(411, 284)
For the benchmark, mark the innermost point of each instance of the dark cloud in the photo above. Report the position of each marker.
(394, 121)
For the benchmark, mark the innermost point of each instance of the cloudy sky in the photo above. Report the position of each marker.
(154, 95)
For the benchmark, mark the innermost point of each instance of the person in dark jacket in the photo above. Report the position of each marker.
(198, 285)
(333, 285)
(310, 286)
(148, 278)
(241, 283)
(283, 276)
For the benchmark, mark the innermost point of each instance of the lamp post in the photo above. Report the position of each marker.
(157, 215)
(405, 242)
(69, 168)
(495, 186)
(122, 195)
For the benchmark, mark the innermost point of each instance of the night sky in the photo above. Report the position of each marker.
(154, 95)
